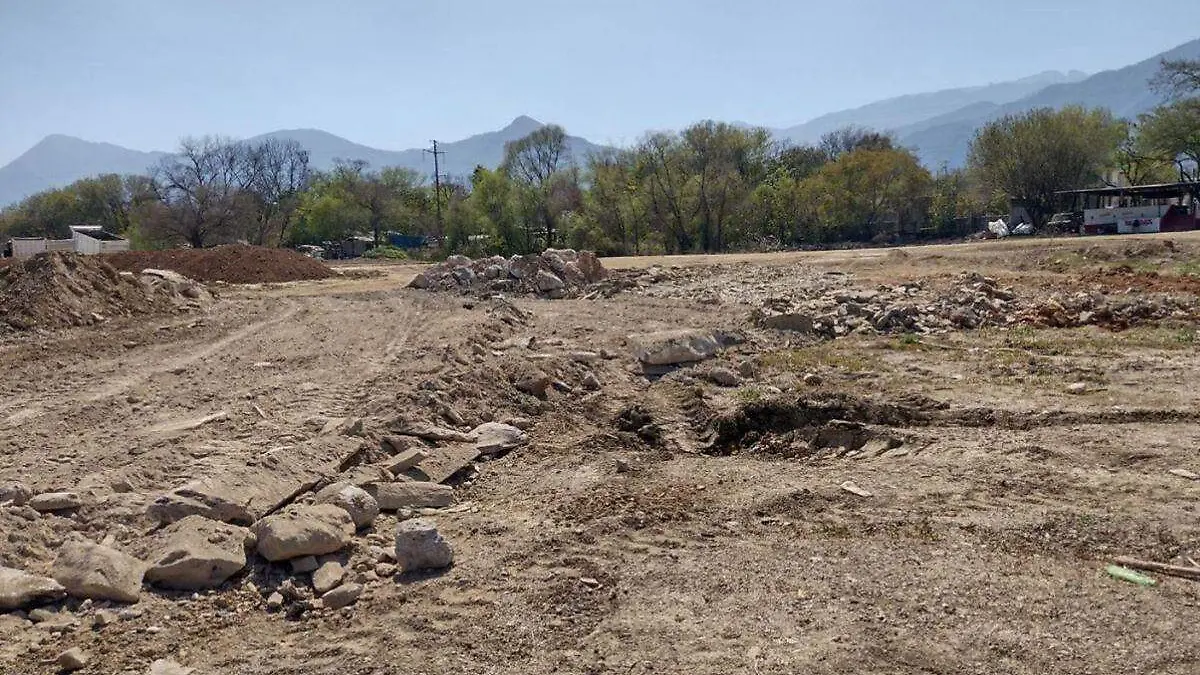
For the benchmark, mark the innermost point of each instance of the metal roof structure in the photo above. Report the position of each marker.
(1161, 190)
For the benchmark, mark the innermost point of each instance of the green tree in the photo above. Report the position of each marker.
(536, 163)
(1031, 156)
(867, 193)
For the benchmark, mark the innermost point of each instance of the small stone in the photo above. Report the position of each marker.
(357, 502)
(385, 570)
(591, 382)
(1185, 474)
(380, 554)
(17, 493)
(812, 379)
(169, 667)
(342, 596)
(722, 377)
(55, 501)
(852, 488)
(41, 614)
(494, 438)
(1077, 388)
(121, 486)
(71, 660)
(305, 564)
(274, 602)
(104, 617)
(327, 577)
(420, 546)
(406, 460)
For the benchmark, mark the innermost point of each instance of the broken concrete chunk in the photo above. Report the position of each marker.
(432, 432)
(197, 553)
(420, 546)
(97, 572)
(404, 461)
(17, 493)
(20, 589)
(55, 501)
(674, 347)
(492, 438)
(411, 494)
(304, 530)
(342, 596)
(327, 577)
(71, 660)
(201, 498)
(356, 501)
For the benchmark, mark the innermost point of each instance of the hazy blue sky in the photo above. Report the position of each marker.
(142, 73)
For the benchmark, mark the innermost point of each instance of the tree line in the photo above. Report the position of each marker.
(711, 187)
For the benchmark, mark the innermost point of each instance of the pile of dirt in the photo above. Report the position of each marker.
(235, 264)
(1124, 278)
(55, 290)
(554, 273)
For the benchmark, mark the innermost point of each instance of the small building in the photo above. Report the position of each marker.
(85, 239)
(1136, 209)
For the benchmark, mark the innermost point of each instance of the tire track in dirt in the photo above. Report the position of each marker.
(113, 387)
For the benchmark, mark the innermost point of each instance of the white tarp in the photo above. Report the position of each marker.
(998, 228)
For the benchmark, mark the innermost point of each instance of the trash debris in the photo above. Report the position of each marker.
(1126, 574)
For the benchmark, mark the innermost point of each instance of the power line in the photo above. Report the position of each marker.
(437, 182)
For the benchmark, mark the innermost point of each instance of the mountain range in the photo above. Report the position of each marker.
(937, 125)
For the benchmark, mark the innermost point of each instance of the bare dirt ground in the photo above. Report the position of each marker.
(1006, 466)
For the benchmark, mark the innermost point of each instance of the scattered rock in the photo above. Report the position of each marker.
(17, 493)
(722, 376)
(357, 502)
(327, 577)
(105, 617)
(197, 553)
(431, 432)
(1077, 388)
(494, 438)
(305, 564)
(674, 347)
(420, 546)
(591, 382)
(200, 498)
(20, 589)
(55, 501)
(1185, 474)
(93, 571)
(304, 530)
(71, 660)
(411, 494)
(553, 273)
(274, 602)
(169, 667)
(385, 570)
(854, 489)
(404, 461)
(533, 382)
(342, 596)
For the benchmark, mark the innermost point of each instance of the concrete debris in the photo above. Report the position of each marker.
(19, 589)
(674, 347)
(554, 273)
(48, 502)
(404, 461)
(304, 530)
(411, 494)
(1184, 474)
(356, 501)
(71, 660)
(327, 577)
(430, 432)
(197, 553)
(97, 572)
(420, 546)
(495, 438)
(200, 498)
(852, 488)
(342, 596)
(169, 667)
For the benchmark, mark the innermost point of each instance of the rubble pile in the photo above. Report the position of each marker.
(554, 273)
(1117, 312)
(55, 290)
(975, 301)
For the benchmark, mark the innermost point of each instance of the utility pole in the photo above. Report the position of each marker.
(437, 183)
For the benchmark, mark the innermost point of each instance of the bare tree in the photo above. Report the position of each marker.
(537, 162)
(199, 188)
(848, 139)
(279, 175)
(1177, 78)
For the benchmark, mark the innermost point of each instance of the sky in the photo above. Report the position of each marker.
(393, 74)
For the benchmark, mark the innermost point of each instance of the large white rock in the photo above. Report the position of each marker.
(673, 347)
(197, 553)
(357, 502)
(98, 572)
(411, 494)
(20, 589)
(419, 546)
(304, 530)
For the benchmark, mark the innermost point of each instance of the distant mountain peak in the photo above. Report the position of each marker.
(522, 125)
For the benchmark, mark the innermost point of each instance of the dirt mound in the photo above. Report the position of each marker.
(235, 264)
(552, 274)
(1124, 278)
(54, 290)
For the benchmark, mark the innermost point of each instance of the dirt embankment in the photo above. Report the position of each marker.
(235, 264)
